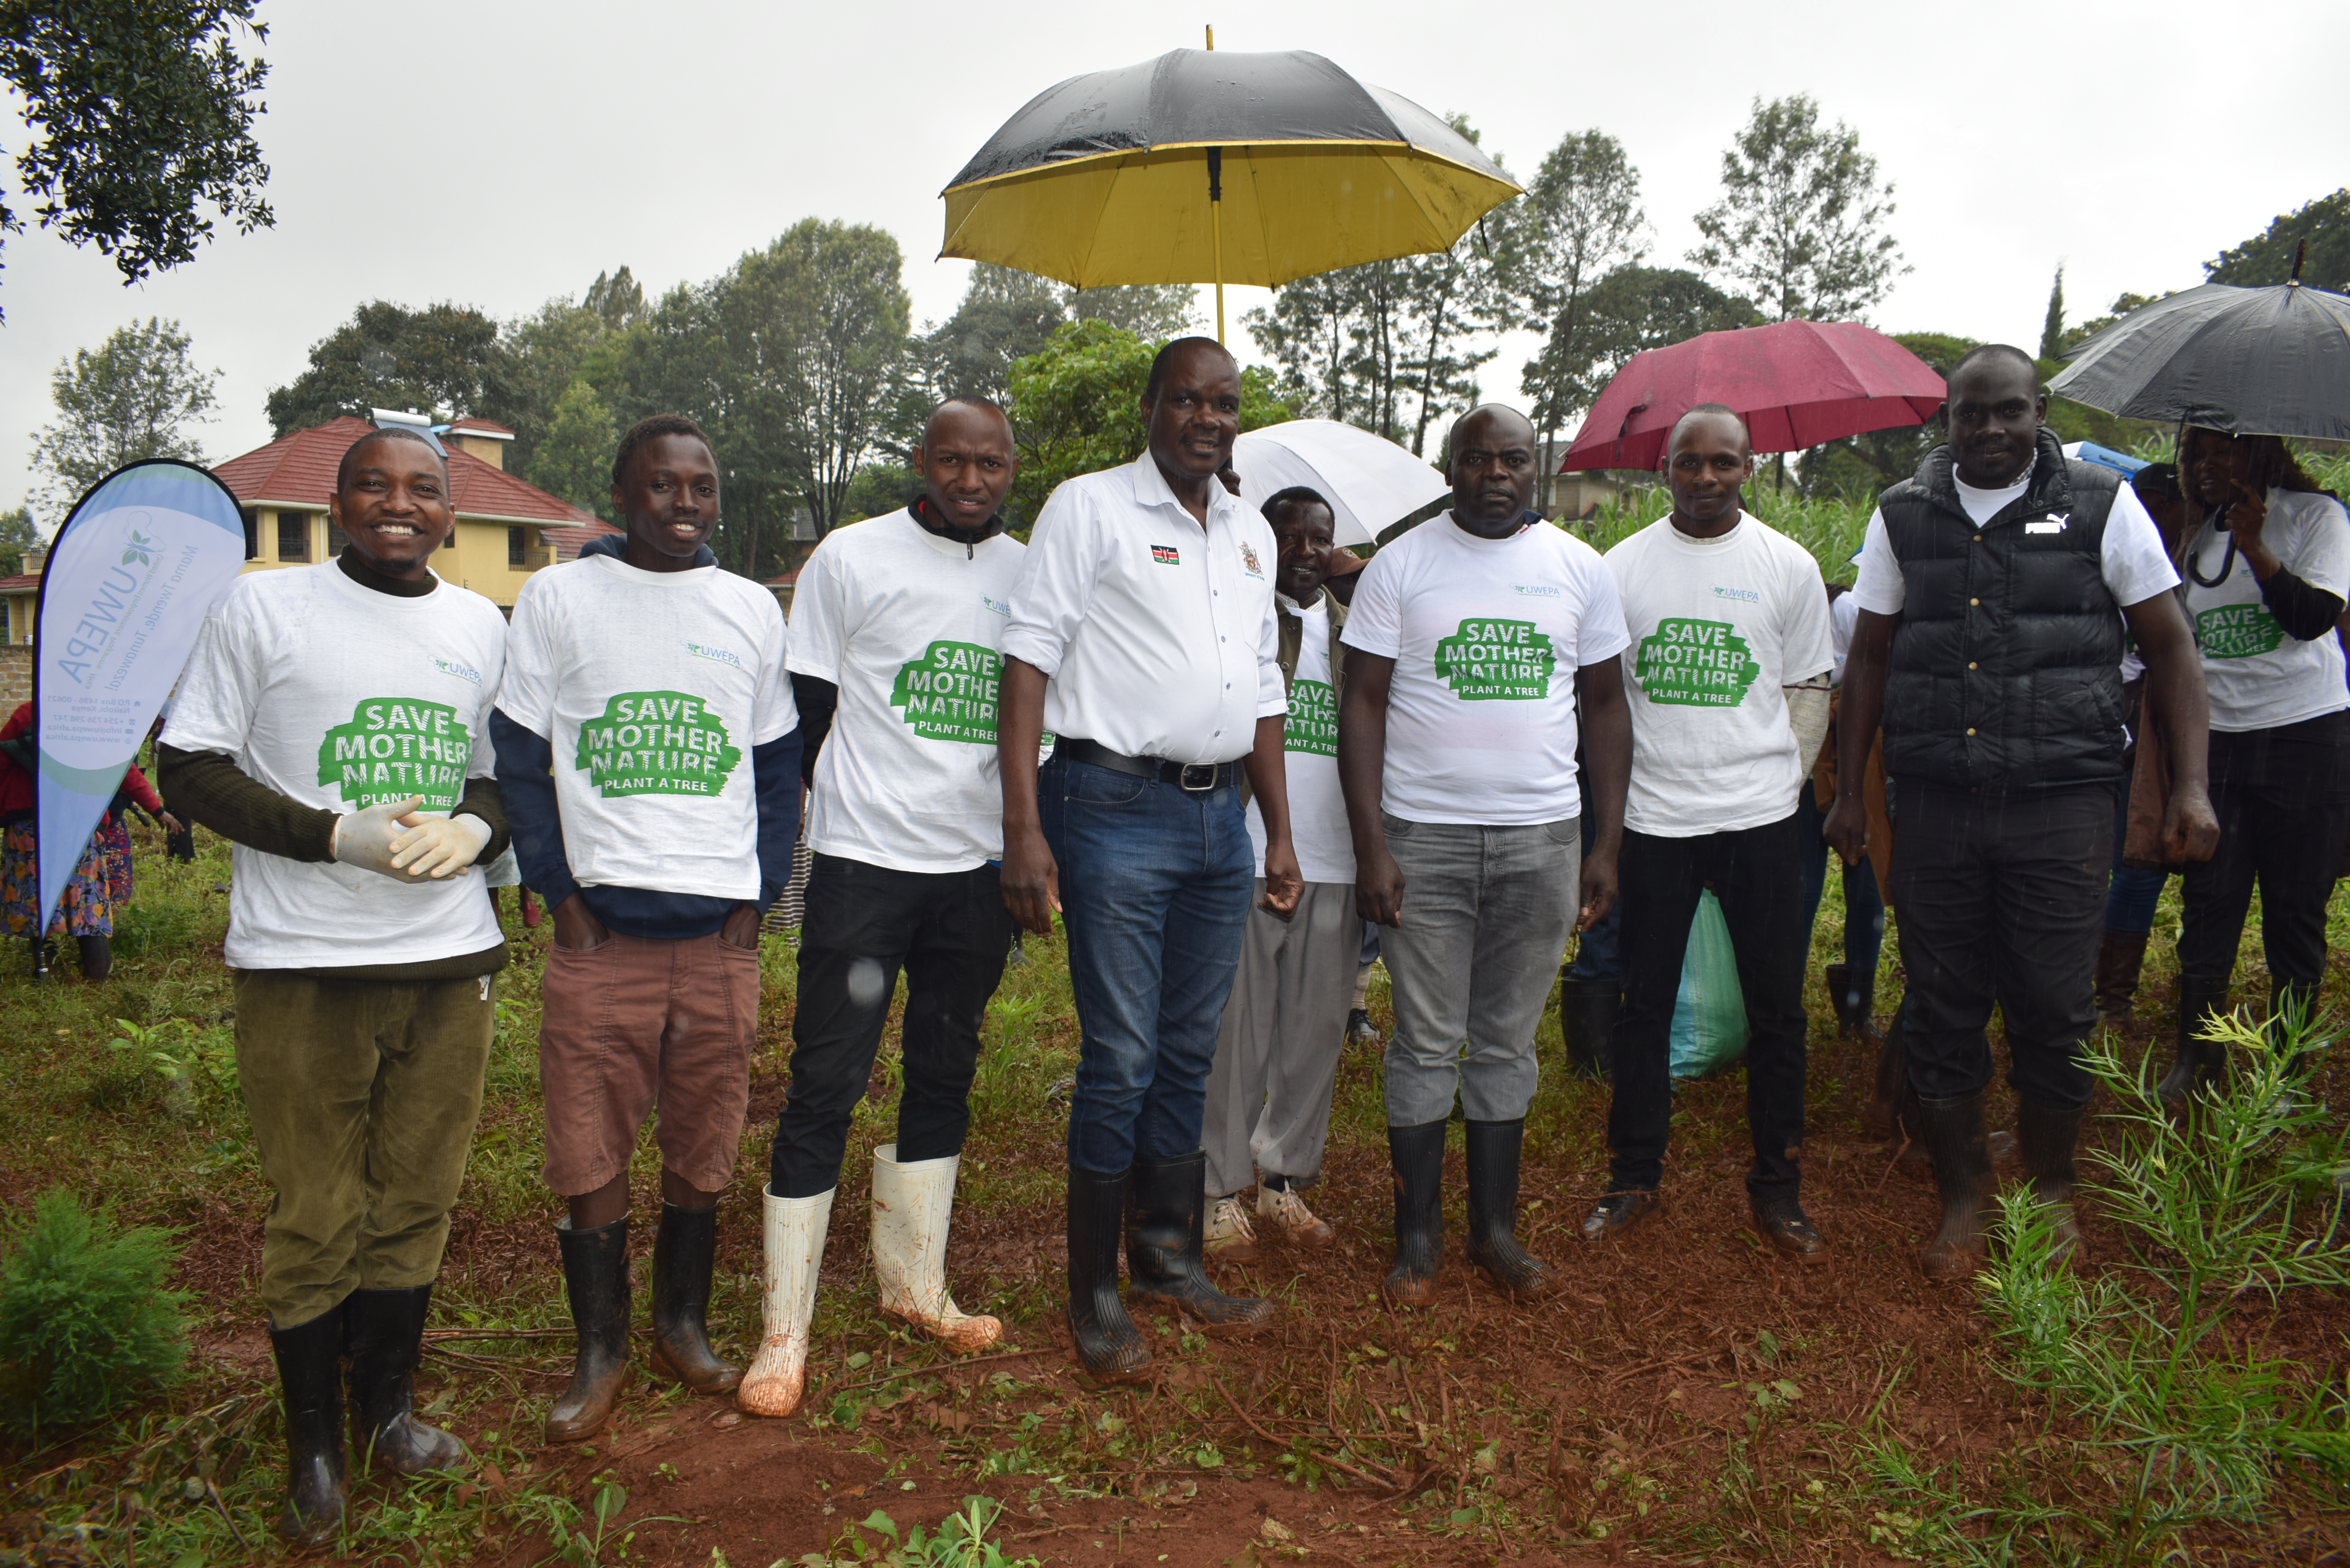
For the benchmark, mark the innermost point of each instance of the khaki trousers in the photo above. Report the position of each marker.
(363, 1095)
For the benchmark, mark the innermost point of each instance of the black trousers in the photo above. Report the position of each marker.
(1757, 873)
(2000, 898)
(950, 934)
(2283, 798)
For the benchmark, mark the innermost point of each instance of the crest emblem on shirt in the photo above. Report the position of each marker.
(1249, 560)
(1165, 557)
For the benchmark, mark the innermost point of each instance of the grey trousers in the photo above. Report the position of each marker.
(1486, 915)
(1277, 1048)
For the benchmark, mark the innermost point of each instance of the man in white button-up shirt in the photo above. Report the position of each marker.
(1142, 635)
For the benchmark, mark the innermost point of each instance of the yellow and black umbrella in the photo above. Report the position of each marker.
(1200, 167)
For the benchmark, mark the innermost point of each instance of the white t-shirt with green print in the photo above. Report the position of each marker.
(651, 687)
(2261, 677)
(1719, 629)
(1317, 807)
(340, 697)
(909, 626)
(1486, 636)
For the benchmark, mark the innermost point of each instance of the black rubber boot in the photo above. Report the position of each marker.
(2121, 958)
(1854, 1000)
(1954, 1135)
(1166, 1223)
(684, 1249)
(1493, 1149)
(596, 1275)
(1418, 1155)
(383, 1334)
(1586, 1015)
(2200, 1062)
(2045, 1136)
(1109, 1344)
(310, 1373)
(97, 955)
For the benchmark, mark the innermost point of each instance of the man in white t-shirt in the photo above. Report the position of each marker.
(1143, 636)
(1277, 1049)
(1993, 587)
(649, 752)
(895, 628)
(329, 725)
(1729, 692)
(1472, 641)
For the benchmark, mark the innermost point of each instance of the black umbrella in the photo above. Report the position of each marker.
(2249, 361)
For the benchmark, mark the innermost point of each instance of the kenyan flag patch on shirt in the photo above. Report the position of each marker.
(1496, 661)
(656, 743)
(1165, 555)
(1701, 663)
(948, 694)
(396, 748)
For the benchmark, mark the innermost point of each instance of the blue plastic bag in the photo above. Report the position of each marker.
(1709, 1014)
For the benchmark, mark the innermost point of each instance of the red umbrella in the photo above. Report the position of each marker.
(1798, 384)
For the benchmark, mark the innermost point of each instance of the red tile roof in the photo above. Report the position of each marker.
(790, 579)
(23, 584)
(299, 469)
(569, 542)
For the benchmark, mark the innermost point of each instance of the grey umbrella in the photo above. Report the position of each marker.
(2249, 361)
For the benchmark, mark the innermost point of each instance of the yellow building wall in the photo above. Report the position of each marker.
(474, 557)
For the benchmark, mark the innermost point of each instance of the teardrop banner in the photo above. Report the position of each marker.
(130, 575)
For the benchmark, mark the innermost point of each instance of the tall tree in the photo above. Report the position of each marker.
(1154, 312)
(2267, 257)
(1801, 221)
(572, 457)
(1580, 219)
(137, 395)
(2051, 329)
(1634, 308)
(616, 297)
(17, 535)
(142, 116)
(1005, 315)
(443, 358)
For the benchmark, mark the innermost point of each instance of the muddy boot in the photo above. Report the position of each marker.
(596, 1275)
(97, 955)
(684, 1249)
(1493, 1151)
(1108, 1345)
(1166, 1220)
(2200, 1062)
(1586, 1015)
(792, 1245)
(913, 1206)
(310, 1373)
(2046, 1136)
(1417, 1156)
(1854, 997)
(1953, 1133)
(2121, 955)
(383, 1334)
(1881, 1117)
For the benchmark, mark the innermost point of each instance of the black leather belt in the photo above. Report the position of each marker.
(1198, 778)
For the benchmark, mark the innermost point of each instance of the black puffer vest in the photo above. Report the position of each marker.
(2006, 666)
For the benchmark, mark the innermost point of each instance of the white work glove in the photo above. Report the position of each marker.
(394, 839)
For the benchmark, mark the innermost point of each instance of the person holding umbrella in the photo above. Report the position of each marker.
(2268, 569)
(1472, 643)
(1994, 586)
(1142, 633)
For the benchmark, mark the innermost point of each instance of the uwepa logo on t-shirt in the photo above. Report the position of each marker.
(464, 672)
(715, 655)
(1743, 596)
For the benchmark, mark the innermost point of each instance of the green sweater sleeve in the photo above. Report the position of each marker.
(209, 788)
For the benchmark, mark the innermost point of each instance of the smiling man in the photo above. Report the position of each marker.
(1729, 693)
(894, 629)
(1143, 635)
(646, 738)
(1994, 587)
(329, 725)
(1472, 644)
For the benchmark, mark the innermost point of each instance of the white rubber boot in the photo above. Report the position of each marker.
(795, 1246)
(911, 1207)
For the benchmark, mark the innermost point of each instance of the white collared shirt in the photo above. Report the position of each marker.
(1157, 634)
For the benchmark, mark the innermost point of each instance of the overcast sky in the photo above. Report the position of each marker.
(498, 154)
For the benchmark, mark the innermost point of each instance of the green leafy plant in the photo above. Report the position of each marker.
(959, 1541)
(2235, 1201)
(86, 1326)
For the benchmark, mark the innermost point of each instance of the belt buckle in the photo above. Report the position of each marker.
(1207, 774)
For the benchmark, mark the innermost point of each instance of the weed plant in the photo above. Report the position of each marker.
(86, 1326)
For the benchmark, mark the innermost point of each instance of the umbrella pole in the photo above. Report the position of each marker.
(1216, 227)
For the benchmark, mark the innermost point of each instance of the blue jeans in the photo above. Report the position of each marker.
(1155, 889)
(2131, 898)
(1863, 905)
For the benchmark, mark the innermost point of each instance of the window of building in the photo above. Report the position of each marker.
(293, 535)
(252, 532)
(7, 621)
(336, 539)
(451, 542)
(518, 547)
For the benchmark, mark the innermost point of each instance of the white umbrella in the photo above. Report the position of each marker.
(1370, 483)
